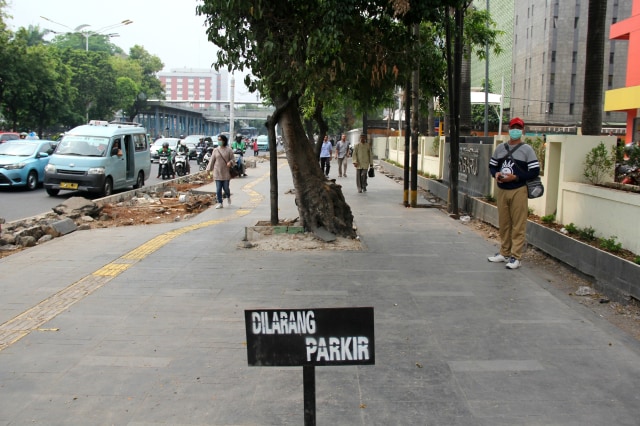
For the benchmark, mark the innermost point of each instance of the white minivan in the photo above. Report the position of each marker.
(99, 157)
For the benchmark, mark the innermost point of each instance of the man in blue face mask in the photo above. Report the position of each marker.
(512, 164)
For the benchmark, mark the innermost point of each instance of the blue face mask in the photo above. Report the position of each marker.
(515, 134)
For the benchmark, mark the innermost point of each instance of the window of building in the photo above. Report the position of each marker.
(550, 107)
(573, 79)
(553, 56)
(610, 81)
(571, 109)
(552, 79)
(555, 22)
(574, 57)
(575, 22)
(611, 58)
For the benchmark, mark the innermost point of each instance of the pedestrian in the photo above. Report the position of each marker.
(221, 160)
(325, 155)
(362, 160)
(342, 153)
(256, 149)
(512, 164)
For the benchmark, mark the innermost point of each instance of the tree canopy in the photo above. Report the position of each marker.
(49, 86)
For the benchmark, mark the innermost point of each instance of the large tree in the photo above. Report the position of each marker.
(297, 48)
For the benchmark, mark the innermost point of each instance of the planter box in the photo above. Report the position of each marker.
(618, 278)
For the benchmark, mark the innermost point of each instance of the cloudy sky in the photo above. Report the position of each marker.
(169, 29)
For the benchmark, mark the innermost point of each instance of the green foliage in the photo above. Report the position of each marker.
(435, 146)
(637, 260)
(550, 218)
(46, 86)
(490, 198)
(598, 164)
(610, 244)
(571, 228)
(540, 148)
(587, 234)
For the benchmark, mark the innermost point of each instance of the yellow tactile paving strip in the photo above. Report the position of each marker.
(33, 318)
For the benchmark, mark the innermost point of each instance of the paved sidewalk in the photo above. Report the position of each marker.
(144, 326)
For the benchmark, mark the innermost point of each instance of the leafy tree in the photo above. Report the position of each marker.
(80, 41)
(310, 49)
(95, 81)
(148, 85)
(33, 35)
(47, 89)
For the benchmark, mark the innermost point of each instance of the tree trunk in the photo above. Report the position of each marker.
(320, 201)
(593, 69)
(465, 92)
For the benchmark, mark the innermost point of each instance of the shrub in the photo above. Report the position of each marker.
(539, 147)
(588, 233)
(571, 228)
(610, 244)
(435, 146)
(550, 218)
(598, 164)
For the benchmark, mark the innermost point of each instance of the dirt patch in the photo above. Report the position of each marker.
(286, 236)
(564, 278)
(161, 210)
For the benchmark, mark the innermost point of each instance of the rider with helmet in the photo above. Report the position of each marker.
(165, 150)
(238, 148)
(184, 149)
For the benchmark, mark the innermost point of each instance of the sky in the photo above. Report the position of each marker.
(169, 29)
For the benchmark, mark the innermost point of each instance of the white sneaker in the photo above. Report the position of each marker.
(219, 206)
(497, 258)
(513, 263)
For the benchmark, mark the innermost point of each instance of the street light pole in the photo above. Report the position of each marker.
(81, 29)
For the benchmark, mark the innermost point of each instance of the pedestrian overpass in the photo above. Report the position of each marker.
(175, 118)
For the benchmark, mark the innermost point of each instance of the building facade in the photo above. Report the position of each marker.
(543, 45)
(190, 85)
(549, 46)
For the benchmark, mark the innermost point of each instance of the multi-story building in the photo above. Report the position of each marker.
(189, 85)
(549, 47)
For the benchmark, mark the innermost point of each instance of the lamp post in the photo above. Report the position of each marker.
(87, 33)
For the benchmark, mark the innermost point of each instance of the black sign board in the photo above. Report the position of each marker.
(310, 337)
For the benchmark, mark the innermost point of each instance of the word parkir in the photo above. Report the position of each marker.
(337, 349)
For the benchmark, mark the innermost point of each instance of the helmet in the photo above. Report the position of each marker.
(181, 136)
(165, 145)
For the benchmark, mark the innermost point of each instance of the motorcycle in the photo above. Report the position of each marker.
(629, 175)
(240, 162)
(180, 164)
(204, 160)
(164, 164)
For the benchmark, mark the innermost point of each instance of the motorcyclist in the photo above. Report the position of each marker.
(184, 149)
(165, 150)
(239, 145)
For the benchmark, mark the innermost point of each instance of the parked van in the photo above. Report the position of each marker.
(99, 157)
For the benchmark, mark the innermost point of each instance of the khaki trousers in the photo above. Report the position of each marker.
(513, 210)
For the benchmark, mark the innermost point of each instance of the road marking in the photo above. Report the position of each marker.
(33, 318)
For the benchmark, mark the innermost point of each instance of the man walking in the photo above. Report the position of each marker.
(342, 152)
(512, 164)
(362, 160)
